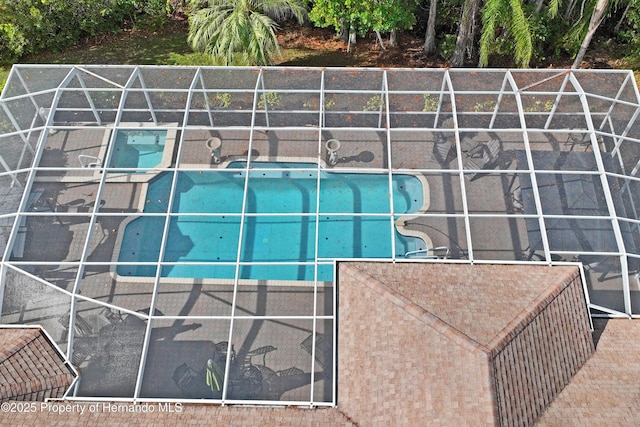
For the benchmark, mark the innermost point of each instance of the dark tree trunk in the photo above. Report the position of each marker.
(430, 35)
(344, 31)
(465, 33)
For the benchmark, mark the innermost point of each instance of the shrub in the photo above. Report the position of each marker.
(28, 26)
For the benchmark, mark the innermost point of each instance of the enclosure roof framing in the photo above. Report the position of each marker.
(503, 165)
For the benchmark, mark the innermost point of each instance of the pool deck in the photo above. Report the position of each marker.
(61, 220)
(73, 192)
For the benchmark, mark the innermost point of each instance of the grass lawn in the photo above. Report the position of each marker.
(167, 47)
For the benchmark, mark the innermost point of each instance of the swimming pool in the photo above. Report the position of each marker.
(138, 148)
(280, 223)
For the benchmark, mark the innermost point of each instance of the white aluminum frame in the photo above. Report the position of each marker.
(446, 93)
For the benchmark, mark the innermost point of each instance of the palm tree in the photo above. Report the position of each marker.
(240, 32)
(507, 15)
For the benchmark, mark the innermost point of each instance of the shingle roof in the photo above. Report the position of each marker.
(481, 301)
(455, 342)
(604, 391)
(191, 415)
(30, 367)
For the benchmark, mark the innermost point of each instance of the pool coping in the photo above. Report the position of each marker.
(144, 177)
(399, 225)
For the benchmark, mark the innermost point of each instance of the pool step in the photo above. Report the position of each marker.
(274, 174)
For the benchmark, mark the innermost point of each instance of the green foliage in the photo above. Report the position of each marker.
(12, 43)
(329, 103)
(484, 106)
(222, 100)
(373, 104)
(272, 99)
(536, 105)
(447, 46)
(506, 18)
(430, 103)
(240, 32)
(364, 16)
(28, 26)
(629, 34)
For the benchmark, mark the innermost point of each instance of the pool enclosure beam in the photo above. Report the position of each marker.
(317, 237)
(441, 97)
(205, 95)
(163, 247)
(10, 172)
(138, 74)
(31, 98)
(607, 194)
(497, 107)
(104, 162)
(456, 134)
(625, 132)
(563, 86)
(607, 116)
(86, 94)
(30, 175)
(385, 103)
(530, 168)
(243, 215)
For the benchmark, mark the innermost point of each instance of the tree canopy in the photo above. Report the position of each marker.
(463, 32)
(364, 16)
(240, 32)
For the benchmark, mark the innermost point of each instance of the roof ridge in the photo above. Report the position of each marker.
(531, 310)
(15, 344)
(420, 313)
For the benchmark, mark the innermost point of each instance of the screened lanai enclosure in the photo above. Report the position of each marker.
(175, 229)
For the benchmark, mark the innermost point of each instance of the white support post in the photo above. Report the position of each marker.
(607, 195)
(383, 97)
(626, 131)
(12, 174)
(243, 216)
(385, 87)
(206, 95)
(96, 114)
(264, 98)
(556, 102)
(146, 96)
(316, 238)
(613, 104)
(497, 107)
(532, 174)
(440, 98)
(459, 157)
(92, 221)
(163, 246)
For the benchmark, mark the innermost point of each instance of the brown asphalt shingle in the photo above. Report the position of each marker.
(30, 367)
(457, 344)
(605, 391)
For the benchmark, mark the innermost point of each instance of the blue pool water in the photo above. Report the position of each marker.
(274, 238)
(138, 148)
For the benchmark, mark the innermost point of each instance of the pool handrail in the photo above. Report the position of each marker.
(97, 162)
(426, 253)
